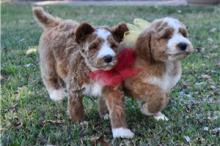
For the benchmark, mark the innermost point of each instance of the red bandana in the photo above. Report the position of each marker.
(123, 70)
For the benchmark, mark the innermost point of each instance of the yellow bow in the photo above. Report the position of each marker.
(138, 26)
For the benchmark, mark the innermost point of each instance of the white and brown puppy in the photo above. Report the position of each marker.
(69, 51)
(160, 49)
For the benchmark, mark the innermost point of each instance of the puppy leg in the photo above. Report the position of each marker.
(50, 78)
(103, 110)
(160, 116)
(152, 105)
(157, 116)
(114, 101)
(75, 106)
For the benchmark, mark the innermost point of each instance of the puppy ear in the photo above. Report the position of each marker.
(83, 31)
(118, 31)
(144, 46)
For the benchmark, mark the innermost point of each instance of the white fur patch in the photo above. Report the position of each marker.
(122, 132)
(174, 23)
(93, 89)
(103, 33)
(57, 95)
(105, 48)
(177, 37)
(168, 80)
(160, 116)
(174, 40)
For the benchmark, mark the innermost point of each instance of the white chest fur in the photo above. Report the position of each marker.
(94, 89)
(170, 77)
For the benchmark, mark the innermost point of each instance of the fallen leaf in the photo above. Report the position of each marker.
(28, 65)
(17, 123)
(31, 51)
(2, 129)
(21, 40)
(99, 141)
(83, 123)
(106, 117)
(2, 77)
(185, 84)
(210, 39)
(213, 30)
(212, 87)
(52, 122)
(179, 11)
(13, 108)
(214, 115)
(187, 139)
(205, 76)
(218, 64)
(200, 50)
(200, 140)
(206, 128)
(21, 91)
(216, 130)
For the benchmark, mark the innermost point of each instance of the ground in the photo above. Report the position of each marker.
(29, 117)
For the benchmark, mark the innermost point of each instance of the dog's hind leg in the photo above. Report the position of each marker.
(50, 78)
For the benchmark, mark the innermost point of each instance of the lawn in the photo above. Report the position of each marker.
(29, 117)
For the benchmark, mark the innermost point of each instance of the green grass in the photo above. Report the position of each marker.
(26, 110)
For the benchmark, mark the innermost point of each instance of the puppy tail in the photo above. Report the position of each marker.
(44, 19)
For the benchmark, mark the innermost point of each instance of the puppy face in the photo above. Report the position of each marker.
(99, 46)
(167, 40)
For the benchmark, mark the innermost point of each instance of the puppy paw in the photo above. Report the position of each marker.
(122, 133)
(159, 116)
(57, 95)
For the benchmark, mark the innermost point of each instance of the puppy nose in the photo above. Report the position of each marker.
(182, 46)
(108, 58)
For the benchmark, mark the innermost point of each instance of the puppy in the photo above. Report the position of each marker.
(69, 51)
(159, 49)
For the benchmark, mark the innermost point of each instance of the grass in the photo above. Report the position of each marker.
(29, 117)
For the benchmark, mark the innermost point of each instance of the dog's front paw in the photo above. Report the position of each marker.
(159, 116)
(122, 133)
(57, 95)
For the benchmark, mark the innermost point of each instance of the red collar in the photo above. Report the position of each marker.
(123, 69)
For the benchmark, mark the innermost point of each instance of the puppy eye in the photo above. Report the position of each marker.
(183, 32)
(93, 46)
(166, 35)
(113, 45)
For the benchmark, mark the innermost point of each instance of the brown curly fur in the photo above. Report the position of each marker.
(65, 62)
(160, 71)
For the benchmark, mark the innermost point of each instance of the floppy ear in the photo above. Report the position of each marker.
(83, 31)
(118, 31)
(143, 45)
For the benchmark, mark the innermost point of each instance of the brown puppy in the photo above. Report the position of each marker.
(160, 49)
(69, 51)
